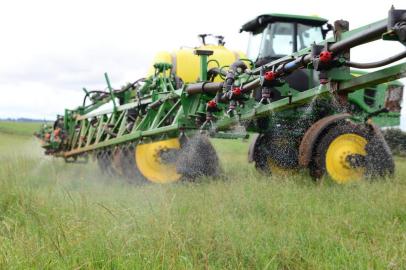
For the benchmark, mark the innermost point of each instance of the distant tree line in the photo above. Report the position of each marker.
(22, 119)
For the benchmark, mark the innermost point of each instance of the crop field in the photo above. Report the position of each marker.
(69, 216)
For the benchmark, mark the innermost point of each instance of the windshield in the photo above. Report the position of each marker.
(306, 35)
(254, 44)
(277, 40)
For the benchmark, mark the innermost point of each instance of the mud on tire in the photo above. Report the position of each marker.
(198, 158)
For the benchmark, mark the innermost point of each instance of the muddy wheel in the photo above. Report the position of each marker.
(157, 160)
(276, 155)
(197, 158)
(380, 161)
(104, 161)
(172, 160)
(349, 152)
(124, 164)
(116, 161)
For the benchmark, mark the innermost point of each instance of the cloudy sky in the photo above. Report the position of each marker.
(49, 50)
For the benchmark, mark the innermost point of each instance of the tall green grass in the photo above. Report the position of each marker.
(19, 128)
(62, 216)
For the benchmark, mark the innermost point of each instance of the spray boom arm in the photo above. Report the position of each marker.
(161, 106)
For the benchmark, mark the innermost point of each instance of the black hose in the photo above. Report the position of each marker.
(381, 63)
(213, 72)
(230, 77)
(129, 86)
(204, 87)
(92, 92)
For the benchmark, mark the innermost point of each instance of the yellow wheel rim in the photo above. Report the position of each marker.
(337, 165)
(150, 164)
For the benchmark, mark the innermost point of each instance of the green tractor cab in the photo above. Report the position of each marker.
(273, 36)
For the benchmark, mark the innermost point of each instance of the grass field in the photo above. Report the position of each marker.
(68, 216)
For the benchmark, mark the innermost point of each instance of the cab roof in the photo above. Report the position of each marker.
(262, 20)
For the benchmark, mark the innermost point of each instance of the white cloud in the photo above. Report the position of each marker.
(51, 49)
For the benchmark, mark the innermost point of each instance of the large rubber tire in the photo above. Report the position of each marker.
(128, 166)
(116, 161)
(119, 163)
(197, 158)
(156, 160)
(380, 161)
(274, 154)
(192, 158)
(348, 152)
(104, 161)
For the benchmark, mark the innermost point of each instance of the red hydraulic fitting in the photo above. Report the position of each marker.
(237, 91)
(269, 75)
(212, 104)
(56, 132)
(325, 56)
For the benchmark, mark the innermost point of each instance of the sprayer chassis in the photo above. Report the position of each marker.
(158, 110)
